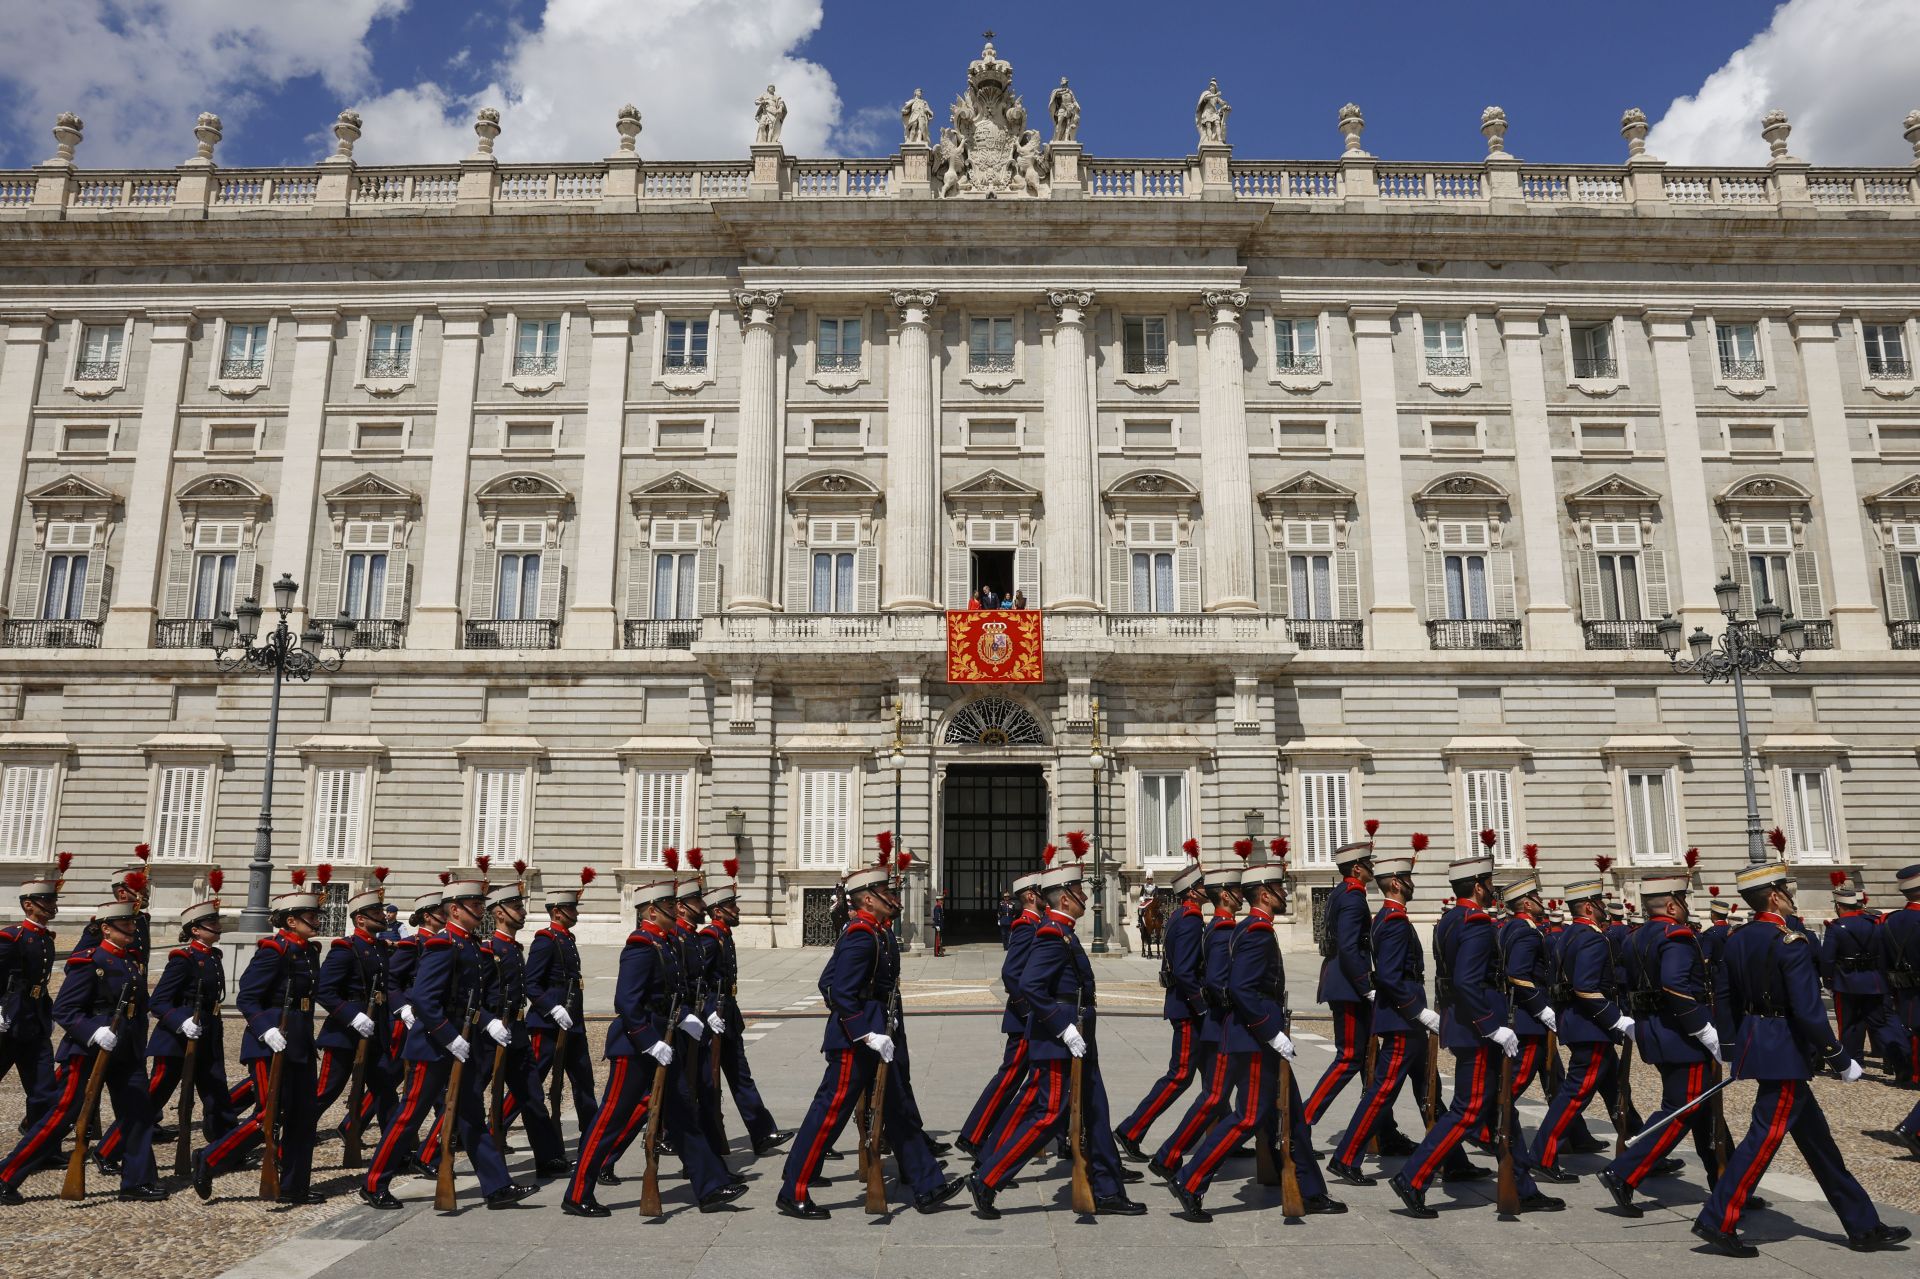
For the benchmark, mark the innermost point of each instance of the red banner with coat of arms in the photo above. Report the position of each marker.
(994, 646)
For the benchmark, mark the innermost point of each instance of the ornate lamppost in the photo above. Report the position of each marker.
(897, 760)
(287, 655)
(1098, 758)
(1743, 649)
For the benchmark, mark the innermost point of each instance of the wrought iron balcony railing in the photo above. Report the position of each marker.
(1889, 368)
(1297, 364)
(1595, 367)
(1623, 636)
(535, 365)
(534, 634)
(96, 370)
(686, 364)
(662, 632)
(1146, 364)
(1742, 370)
(1449, 366)
(1474, 633)
(378, 633)
(242, 370)
(51, 634)
(1321, 632)
(1905, 634)
(982, 362)
(389, 363)
(836, 362)
(183, 632)
(1818, 631)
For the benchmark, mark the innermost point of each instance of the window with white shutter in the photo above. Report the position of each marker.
(1152, 555)
(499, 812)
(217, 547)
(68, 566)
(1310, 568)
(1490, 807)
(1769, 555)
(180, 822)
(26, 801)
(1810, 825)
(834, 549)
(339, 814)
(825, 817)
(659, 815)
(1652, 837)
(1164, 823)
(363, 568)
(1325, 815)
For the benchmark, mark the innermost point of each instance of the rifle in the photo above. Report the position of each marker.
(1722, 1139)
(1366, 1075)
(443, 1194)
(1622, 1099)
(76, 1183)
(874, 1169)
(656, 1102)
(1430, 1103)
(270, 1104)
(1507, 1195)
(1082, 1182)
(1556, 1072)
(558, 1080)
(351, 1155)
(183, 1144)
(1291, 1204)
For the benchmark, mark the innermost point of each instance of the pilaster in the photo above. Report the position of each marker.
(1857, 623)
(436, 619)
(21, 357)
(130, 617)
(300, 466)
(1226, 480)
(1072, 483)
(1550, 620)
(593, 618)
(756, 504)
(912, 458)
(1392, 621)
(1694, 535)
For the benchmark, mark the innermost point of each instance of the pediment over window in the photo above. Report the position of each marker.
(991, 485)
(1615, 499)
(71, 500)
(1308, 496)
(1462, 496)
(523, 486)
(672, 490)
(371, 498)
(1763, 492)
(1899, 502)
(1148, 485)
(223, 498)
(830, 485)
(1462, 486)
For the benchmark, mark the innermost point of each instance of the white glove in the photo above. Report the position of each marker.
(498, 1029)
(1624, 1025)
(1850, 1072)
(560, 1017)
(1550, 1021)
(694, 1026)
(1369, 996)
(1508, 1041)
(190, 1028)
(362, 1025)
(880, 1044)
(3, 1021)
(1431, 1020)
(1076, 1042)
(273, 1039)
(1710, 1040)
(459, 1048)
(1283, 1045)
(105, 1038)
(716, 1023)
(661, 1053)
(406, 1015)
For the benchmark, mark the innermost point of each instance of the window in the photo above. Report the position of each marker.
(499, 807)
(1296, 346)
(1769, 563)
(1310, 586)
(1163, 817)
(1465, 566)
(990, 345)
(836, 437)
(1904, 583)
(1145, 341)
(1886, 349)
(518, 593)
(531, 435)
(1604, 437)
(381, 437)
(675, 581)
(26, 801)
(999, 435)
(363, 570)
(1455, 437)
(1740, 351)
(1753, 437)
(1652, 837)
(85, 439)
(216, 565)
(245, 354)
(825, 817)
(536, 349)
(1446, 348)
(1489, 794)
(1304, 436)
(659, 814)
(1810, 830)
(838, 347)
(391, 352)
(64, 584)
(1593, 352)
(339, 813)
(831, 583)
(1617, 552)
(180, 825)
(686, 346)
(1147, 437)
(1151, 548)
(1324, 815)
(100, 351)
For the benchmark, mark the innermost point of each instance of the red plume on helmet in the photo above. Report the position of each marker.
(446, 877)
(1603, 863)
(1532, 853)
(906, 857)
(1713, 891)
(671, 856)
(1191, 848)
(1838, 878)
(519, 866)
(1243, 848)
(1419, 842)
(380, 874)
(1778, 838)
(732, 866)
(694, 858)
(143, 851)
(1048, 853)
(1489, 837)
(1372, 824)
(299, 877)
(483, 864)
(216, 879)
(1692, 858)
(1077, 844)
(1279, 848)
(136, 881)
(323, 874)
(587, 875)
(885, 840)
(64, 860)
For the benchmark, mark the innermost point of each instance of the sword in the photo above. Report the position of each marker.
(1695, 1104)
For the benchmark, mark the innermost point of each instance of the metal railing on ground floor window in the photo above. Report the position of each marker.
(31, 633)
(1482, 633)
(514, 634)
(1623, 636)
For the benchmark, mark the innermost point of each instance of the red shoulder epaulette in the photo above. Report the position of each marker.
(409, 941)
(438, 940)
(861, 926)
(80, 957)
(10, 932)
(178, 952)
(341, 943)
(1681, 931)
(710, 931)
(1020, 921)
(1050, 930)
(1260, 926)
(543, 932)
(1476, 917)
(273, 944)
(640, 935)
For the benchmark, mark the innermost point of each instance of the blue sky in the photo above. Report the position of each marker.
(278, 70)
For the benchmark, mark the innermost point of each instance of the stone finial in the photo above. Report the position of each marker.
(627, 124)
(206, 136)
(1493, 124)
(1352, 125)
(1633, 127)
(1774, 128)
(346, 131)
(67, 132)
(1911, 131)
(486, 125)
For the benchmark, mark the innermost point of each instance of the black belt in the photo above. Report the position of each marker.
(1643, 1003)
(1854, 964)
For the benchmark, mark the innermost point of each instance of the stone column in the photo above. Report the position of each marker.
(1550, 621)
(20, 361)
(296, 504)
(1392, 622)
(756, 499)
(150, 490)
(593, 618)
(436, 618)
(1857, 624)
(1072, 482)
(912, 458)
(1690, 512)
(1226, 477)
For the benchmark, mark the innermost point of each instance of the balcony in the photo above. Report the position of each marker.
(537, 634)
(242, 370)
(1597, 368)
(378, 633)
(1818, 632)
(183, 632)
(1905, 634)
(662, 632)
(981, 362)
(1742, 370)
(836, 362)
(1889, 368)
(389, 363)
(686, 364)
(1475, 633)
(1146, 364)
(536, 365)
(1449, 366)
(51, 634)
(1326, 633)
(1304, 364)
(96, 371)
(1622, 636)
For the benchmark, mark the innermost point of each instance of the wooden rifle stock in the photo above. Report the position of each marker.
(1722, 1139)
(1430, 1101)
(873, 1143)
(557, 1081)
(270, 1107)
(1622, 1099)
(497, 1097)
(444, 1198)
(1507, 1195)
(189, 1061)
(75, 1186)
(1291, 1204)
(656, 1103)
(1366, 1074)
(1556, 1072)
(352, 1155)
(1082, 1182)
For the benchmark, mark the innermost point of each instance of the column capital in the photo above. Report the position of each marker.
(913, 304)
(757, 306)
(172, 326)
(1225, 306)
(1667, 324)
(314, 323)
(611, 318)
(26, 326)
(1814, 326)
(462, 319)
(1520, 321)
(1070, 306)
(1372, 319)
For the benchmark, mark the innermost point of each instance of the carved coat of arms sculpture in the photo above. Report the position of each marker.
(989, 150)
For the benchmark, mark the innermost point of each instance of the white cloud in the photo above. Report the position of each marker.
(139, 71)
(693, 67)
(1842, 70)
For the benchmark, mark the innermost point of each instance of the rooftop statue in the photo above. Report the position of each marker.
(989, 150)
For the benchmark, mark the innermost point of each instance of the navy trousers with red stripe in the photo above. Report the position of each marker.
(848, 1076)
(746, 1094)
(578, 1067)
(1046, 1114)
(1401, 1056)
(1208, 1105)
(524, 1100)
(1679, 1084)
(218, 1114)
(297, 1118)
(1001, 1089)
(1256, 1087)
(1782, 1107)
(31, 1059)
(126, 1085)
(1476, 1088)
(622, 1116)
(426, 1085)
(50, 1126)
(1590, 1070)
(376, 1099)
(1182, 1069)
(1352, 1027)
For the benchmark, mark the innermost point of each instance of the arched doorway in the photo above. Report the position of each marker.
(994, 812)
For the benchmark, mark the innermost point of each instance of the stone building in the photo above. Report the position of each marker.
(1349, 489)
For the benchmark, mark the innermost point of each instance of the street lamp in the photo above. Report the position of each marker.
(1743, 649)
(1097, 758)
(286, 654)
